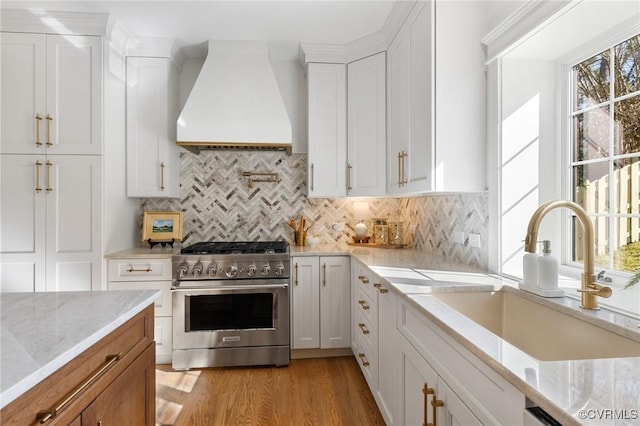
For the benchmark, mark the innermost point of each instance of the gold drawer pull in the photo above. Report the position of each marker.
(426, 391)
(380, 288)
(364, 359)
(363, 304)
(363, 328)
(364, 279)
(45, 416)
(132, 269)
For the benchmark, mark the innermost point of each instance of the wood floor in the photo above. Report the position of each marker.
(321, 391)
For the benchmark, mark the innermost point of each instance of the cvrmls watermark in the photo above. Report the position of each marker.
(609, 414)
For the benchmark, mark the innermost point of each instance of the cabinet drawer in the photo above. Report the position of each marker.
(365, 305)
(162, 305)
(366, 359)
(365, 330)
(364, 279)
(129, 340)
(164, 340)
(139, 269)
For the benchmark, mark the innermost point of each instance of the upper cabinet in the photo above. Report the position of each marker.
(327, 130)
(366, 126)
(51, 94)
(153, 158)
(410, 104)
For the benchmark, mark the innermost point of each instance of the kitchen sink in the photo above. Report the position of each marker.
(542, 332)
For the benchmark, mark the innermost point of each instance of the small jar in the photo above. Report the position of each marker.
(381, 234)
(395, 233)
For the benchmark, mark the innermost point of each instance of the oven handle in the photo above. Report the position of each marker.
(228, 288)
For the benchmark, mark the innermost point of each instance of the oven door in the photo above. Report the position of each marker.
(228, 315)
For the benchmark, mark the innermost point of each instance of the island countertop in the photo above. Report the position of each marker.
(41, 332)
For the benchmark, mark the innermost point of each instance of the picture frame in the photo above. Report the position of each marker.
(162, 226)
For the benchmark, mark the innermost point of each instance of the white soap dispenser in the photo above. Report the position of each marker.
(547, 268)
(530, 269)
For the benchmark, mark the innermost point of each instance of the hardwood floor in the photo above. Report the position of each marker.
(321, 391)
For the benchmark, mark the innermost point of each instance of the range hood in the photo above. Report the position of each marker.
(235, 102)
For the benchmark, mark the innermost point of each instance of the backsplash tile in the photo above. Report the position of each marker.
(218, 205)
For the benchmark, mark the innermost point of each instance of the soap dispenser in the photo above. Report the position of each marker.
(530, 269)
(547, 268)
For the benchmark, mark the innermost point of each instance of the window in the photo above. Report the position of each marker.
(605, 159)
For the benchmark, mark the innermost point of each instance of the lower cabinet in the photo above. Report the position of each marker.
(137, 273)
(110, 383)
(320, 296)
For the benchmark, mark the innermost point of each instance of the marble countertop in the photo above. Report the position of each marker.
(157, 252)
(41, 332)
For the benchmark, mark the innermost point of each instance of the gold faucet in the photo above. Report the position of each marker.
(589, 288)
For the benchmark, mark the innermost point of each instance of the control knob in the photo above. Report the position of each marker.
(212, 269)
(231, 271)
(266, 269)
(183, 269)
(197, 269)
(251, 270)
(280, 269)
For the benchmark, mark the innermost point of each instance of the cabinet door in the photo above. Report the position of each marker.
(366, 141)
(453, 410)
(22, 67)
(73, 186)
(388, 355)
(327, 130)
(153, 159)
(305, 303)
(335, 307)
(74, 95)
(130, 399)
(22, 223)
(419, 382)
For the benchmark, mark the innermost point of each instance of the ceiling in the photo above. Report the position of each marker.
(192, 22)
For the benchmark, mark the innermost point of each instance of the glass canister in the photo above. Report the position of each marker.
(380, 231)
(396, 236)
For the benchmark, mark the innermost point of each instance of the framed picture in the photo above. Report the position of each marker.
(162, 226)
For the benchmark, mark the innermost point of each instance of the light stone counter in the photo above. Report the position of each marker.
(41, 332)
(592, 391)
(145, 253)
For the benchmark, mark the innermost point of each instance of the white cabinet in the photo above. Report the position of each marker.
(320, 302)
(388, 353)
(410, 81)
(51, 226)
(326, 130)
(153, 158)
(366, 126)
(51, 94)
(138, 273)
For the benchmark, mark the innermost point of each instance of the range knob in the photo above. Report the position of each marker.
(231, 271)
(251, 270)
(211, 270)
(197, 269)
(266, 269)
(280, 269)
(183, 269)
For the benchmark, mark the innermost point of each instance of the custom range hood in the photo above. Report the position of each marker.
(235, 102)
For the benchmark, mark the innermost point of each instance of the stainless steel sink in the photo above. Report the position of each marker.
(543, 332)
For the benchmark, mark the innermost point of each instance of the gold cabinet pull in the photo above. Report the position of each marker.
(363, 279)
(402, 155)
(380, 288)
(296, 268)
(38, 164)
(38, 120)
(363, 328)
(47, 180)
(312, 177)
(45, 416)
(349, 168)
(132, 269)
(324, 275)
(399, 169)
(363, 358)
(363, 304)
(161, 176)
(426, 391)
(435, 403)
(49, 119)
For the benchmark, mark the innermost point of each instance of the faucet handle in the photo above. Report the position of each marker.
(598, 290)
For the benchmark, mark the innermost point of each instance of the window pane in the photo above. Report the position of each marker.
(627, 66)
(600, 237)
(591, 183)
(591, 134)
(626, 177)
(591, 81)
(627, 126)
(626, 248)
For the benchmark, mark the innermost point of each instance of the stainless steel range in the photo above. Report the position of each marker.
(231, 304)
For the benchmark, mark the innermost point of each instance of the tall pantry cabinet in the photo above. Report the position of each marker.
(50, 162)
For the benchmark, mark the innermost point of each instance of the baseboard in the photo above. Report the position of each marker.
(320, 353)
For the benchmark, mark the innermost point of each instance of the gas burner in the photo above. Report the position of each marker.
(236, 247)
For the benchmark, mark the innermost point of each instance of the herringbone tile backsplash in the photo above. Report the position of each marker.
(218, 205)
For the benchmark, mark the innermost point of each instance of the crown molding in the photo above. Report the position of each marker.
(51, 22)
